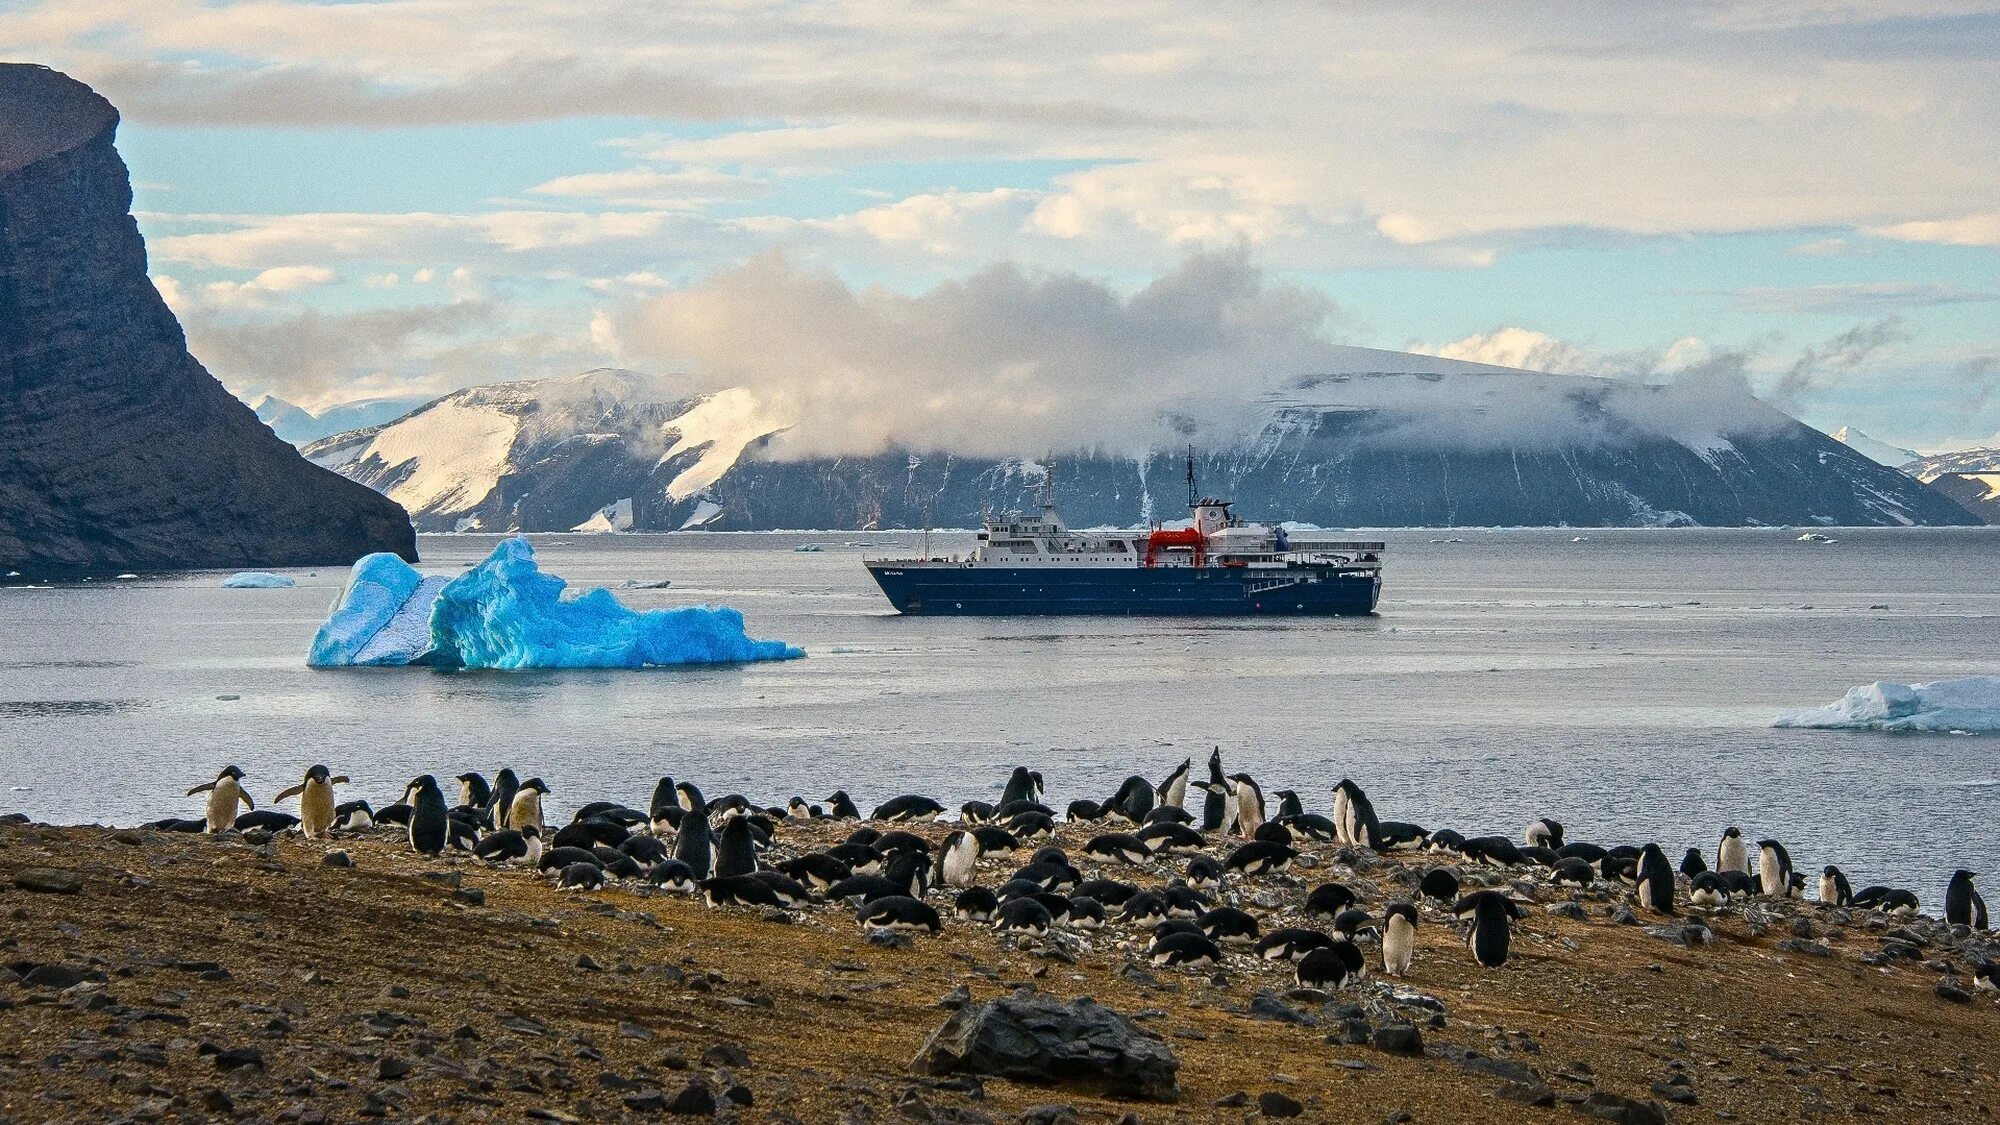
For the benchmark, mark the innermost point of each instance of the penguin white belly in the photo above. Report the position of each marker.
(1771, 874)
(1731, 856)
(959, 863)
(222, 803)
(316, 809)
(1343, 817)
(1249, 811)
(1829, 891)
(527, 810)
(1399, 943)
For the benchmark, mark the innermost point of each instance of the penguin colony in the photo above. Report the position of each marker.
(996, 867)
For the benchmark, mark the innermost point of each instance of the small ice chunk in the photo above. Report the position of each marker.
(250, 580)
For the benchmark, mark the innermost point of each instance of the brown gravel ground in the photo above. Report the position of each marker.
(371, 992)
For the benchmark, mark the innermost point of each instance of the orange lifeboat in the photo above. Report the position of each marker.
(1162, 539)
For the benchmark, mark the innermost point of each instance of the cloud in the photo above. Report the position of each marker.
(647, 187)
(1516, 347)
(1970, 230)
(1004, 362)
(1859, 299)
(1841, 354)
(306, 355)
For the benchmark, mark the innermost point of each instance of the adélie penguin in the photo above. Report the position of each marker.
(316, 804)
(1399, 938)
(527, 807)
(1730, 854)
(694, 845)
(840, 806)
(501, 800)
(957, 858)
(1020, 787)
(1492, 916)
(225, 793)
(429, 829)
(1834, 889)
(473, 792)
(511, 846)
(1774, 869)
(1172, 793)
(1656, 881)
(1215, 806)
(1962, 904)
(735, 849)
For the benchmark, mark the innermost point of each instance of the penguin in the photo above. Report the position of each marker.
(1328, 900)
(1290, 943)
(176, 824)
(1401, 836)
(1274, 832)
(906, 807)
(1544, 832)
(579, 877)
(958, 857)
(555, 859)
(664, 809)
(1493, 851)
(1439, 884)
(1185, 950)
(1656, 881)
(1110, 892)
(799, 808)
(1051, 875)
(1249, 800)
(266, 820)
(1144, 908)
(996, 841)
(1343, 811)
(353, 815)
(1083, 810)
(738, 890)
(1133, 801)
(527, 806)
(1184, 901)
(1984, 974)
(859, 858)
(1204, 871)
(645, 849)
(1289, 804)
(1086, 913)
(1330, 966)
(1032, 826)
(461, 833)
(976, 904)
(1169, 839)
(1312, 826)
(1491, 914)
(1962, 904)
(1833, 887)
(904, 876)
(316, 805)
(688, 796)
(1572, 872)
(1730, 854)
(1226, 925)
(841, 807)
(501, 800)
(817, 870)
(1692, 864)
(473, 792)
(1118, 847)
(510, 846)
(973, 813)
(675, 876)
(1215, 806)
(900, 912)
(1020, 787)
(1172, 793)
(224, 794)
(694, 845)
(735, 849)
(790, 891)
(429, 830)
(1774, 869)
(1352, 923)
(1708, 891)
(892, 843)
(1367, 827)
(1444, 840)
(1026, 916)
(1260, 857)
(1399, 938)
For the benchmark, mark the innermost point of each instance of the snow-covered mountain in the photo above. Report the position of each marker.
(302, 427)
(1969, 476)
(1881, 452)
(1442, 444)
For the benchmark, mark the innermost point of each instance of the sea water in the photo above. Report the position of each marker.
(1622, 682)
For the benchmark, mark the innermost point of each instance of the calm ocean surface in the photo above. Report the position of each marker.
(1623, 684)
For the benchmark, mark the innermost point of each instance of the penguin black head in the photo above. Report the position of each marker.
(230, 771)
(1963, 874)
(318, 773)
(838, 796)
(536, 784)
(467, 776)
(1731, 832)
(529, 831)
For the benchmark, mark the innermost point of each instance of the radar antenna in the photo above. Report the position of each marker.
(1194, 497)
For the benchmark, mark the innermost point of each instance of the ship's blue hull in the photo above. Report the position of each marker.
(1168, 591)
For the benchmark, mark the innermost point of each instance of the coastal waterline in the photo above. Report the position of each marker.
(1620, 681)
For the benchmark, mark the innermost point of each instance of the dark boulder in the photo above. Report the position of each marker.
(1030, 1037)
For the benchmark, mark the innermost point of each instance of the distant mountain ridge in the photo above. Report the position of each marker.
(1969, 476)
(1443, 445)
(1881, 452)
(302, 427)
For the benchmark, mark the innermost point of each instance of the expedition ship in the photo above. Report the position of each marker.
(1218, 566)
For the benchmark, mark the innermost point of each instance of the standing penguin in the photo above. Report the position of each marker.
(1544, 833)
(1774, 869)
(1172, 792)
(1834, 889)
(690, 798)
(1215, 807)
(957, 858)
(1656, 881)
(1399, 938)
(429, 827)
(1692, 864)
(735, 849)
(501, 800)
(527, 806)
(1962, 904)
(1020, 787)
(1134, 800)
(1492, 915)
(1343, 811)
(694, 846)
(224, 794)
(1730, 854)
(1249, 804)
(1365, 827)
(316, 805)
(840, 806)
(665, 809)
(473, 792)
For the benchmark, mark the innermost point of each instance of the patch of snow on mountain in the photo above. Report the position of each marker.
(1880, 452)
(721, 426)
(455, 453)
(615, 516)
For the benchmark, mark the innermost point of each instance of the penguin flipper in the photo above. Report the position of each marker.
(201, 789)
(341, 780)
(245, 794)
(292, 792)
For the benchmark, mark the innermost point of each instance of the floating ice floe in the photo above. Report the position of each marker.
(257, 580)
(1815, 537)
(505, 613)
(1969, 705)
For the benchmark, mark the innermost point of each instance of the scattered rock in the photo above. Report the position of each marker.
(1265, 1006)
(49, 880)
(1526, 1093)
(59, 977)
(469, 896)
(1049, 1115)
(1275, 1104)
(1805, 946)
(726, 1054)
(1032, 1037)
(336, 858)
(1606, 1106)
(1948, 989)
(694, 1100)
(1397, 1037)
(1689, 934)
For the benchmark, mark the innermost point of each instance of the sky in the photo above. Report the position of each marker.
(389, 197)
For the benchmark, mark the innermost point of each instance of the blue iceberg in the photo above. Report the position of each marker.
(257, 580)
(506, 614)
(1968, 705)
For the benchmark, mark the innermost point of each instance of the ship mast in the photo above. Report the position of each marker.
(1194, 497)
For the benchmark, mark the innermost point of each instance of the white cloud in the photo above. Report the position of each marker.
(646, 187)
(1970, 230)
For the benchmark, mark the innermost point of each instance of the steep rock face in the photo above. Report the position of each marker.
(118, 450)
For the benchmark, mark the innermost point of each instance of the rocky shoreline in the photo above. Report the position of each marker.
(163, 976)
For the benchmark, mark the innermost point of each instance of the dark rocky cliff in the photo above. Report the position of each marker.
(118, 450)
